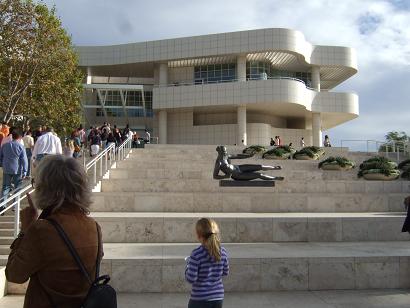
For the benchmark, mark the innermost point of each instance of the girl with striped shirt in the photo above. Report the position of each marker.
(206, 266)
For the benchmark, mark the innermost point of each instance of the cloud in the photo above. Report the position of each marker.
(378, 29)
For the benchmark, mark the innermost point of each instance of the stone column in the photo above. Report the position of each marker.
(317, 129)
(316, 78)
(162, 123)
(163, 74)
(241, 67)
(241, 126)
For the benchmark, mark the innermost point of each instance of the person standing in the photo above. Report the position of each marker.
(37, 133)
(272, 142)
(47, 144)
(13, 159)
(206, 266)
(302, 142)
(28, 141)
(95, 144)
(326, 143)
(147, 137)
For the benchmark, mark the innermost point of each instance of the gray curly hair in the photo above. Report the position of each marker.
(61, 181)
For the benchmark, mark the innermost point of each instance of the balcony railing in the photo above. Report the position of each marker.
(205, 82)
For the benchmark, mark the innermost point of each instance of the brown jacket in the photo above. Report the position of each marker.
(42, 256)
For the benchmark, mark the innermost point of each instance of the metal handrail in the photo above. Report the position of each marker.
(395, 146)
(110, 153)
(192, 82)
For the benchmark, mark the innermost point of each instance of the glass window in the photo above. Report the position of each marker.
(134, 98)
(114, 112)
(99, 112)
(214, 73)
(136, 113)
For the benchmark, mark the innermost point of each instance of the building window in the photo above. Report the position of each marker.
(134, 98)
(214, 73)
(112, 98)
(99, 112)
(258, 70)
(149, 113)
(135, 113)
(114, 112)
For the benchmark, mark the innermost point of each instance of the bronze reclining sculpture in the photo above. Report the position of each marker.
(240, 172)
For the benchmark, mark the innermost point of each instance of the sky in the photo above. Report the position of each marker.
(379, 30)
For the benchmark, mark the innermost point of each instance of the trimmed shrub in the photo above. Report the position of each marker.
(284, 151)
(339, 161)
(312, 152)
(254, 149)
(379, 165)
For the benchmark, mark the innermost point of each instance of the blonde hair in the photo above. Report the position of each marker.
(70, 144)
(208, 230)
(61, 181)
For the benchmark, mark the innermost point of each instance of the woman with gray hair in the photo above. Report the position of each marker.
(39, 253)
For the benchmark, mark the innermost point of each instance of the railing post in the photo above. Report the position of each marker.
(101, 166)
(17, 217)
(95, 174)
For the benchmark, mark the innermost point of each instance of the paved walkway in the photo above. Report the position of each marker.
(317, 299)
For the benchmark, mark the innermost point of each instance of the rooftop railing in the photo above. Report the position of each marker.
(396, 150)
(95, 169)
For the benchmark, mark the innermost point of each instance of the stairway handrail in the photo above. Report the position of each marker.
(110, 153)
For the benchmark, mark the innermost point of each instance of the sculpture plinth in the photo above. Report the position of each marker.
(230, 183)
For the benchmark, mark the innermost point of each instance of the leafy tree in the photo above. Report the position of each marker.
(397, 138)
(39, 76)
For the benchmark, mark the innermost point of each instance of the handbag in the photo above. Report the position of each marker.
(100, 294)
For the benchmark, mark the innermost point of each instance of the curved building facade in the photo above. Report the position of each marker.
(230, 88)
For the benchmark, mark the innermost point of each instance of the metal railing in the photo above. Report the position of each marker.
(96, 169)
(205, 82)
(393, 149)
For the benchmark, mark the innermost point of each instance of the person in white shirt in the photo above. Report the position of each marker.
(302, 142)
(47, 144)
(147, 137)
(28, 141)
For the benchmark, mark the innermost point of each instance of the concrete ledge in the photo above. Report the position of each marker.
(252, 227)
(253, 202)
(136, 268)
(255, 183)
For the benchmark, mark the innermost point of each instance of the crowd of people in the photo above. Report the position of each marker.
(20, 150)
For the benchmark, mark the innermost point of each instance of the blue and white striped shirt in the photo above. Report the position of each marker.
(205, 274)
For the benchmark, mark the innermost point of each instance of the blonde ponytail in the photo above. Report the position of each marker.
(208, 230)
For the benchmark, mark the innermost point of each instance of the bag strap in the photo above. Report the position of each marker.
(71, 248)
(99, 253)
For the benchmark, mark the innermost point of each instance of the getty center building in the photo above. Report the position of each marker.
(229, 88)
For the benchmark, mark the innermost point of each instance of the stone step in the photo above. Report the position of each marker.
(4, 249)
(308, 299)
(185, 173)
(160, 227)
(6, 218)
(6, 232)
(260, 202)
(137, 268)
(289, 186)
(7, 225)
(3, 260)
(186, 163)
(6, 240)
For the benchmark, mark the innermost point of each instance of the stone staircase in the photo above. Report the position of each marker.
(317, 230)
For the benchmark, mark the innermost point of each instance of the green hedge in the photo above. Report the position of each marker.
(280, 151)
(341, 161)
(254, 149)
(312, 152)
(380, 165)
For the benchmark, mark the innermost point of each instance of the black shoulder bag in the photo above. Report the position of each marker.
(100, 294)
